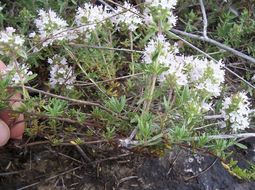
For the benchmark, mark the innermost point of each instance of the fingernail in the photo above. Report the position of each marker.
(16, 105)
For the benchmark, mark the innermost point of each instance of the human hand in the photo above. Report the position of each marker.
(11, 127)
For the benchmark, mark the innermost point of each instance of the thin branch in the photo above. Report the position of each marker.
(208, 117)
(66, 143)
(52, 177)
(107, 5)
(106, 48)
(204, 18)
(220, 45)
(82, 102)
(10, 173)
(173, 163)
(125, 179)
(109, 80)
(132, 143)
(231, 136)
(119, 5)
(202, 172)
(208, 125)
(84, 155)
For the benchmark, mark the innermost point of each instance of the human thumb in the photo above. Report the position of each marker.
(4, 133)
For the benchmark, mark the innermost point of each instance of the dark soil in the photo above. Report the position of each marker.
(42, 166)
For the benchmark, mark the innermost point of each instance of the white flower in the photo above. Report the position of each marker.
(166, 56)
(4, 37)
(172, 20)
(91, 16)
(206, 106)
(1, 8)
(61, 73)
(20, 72)
(51, 27)
(160, 45)
(163, 4)
(206, 75)
(127, 15)
(148, 18)
(10, 30)
(32, 35)
(10, 43)
(236, 111)
(176, 66)
(253, 78)
(157, 7)
(18, 40)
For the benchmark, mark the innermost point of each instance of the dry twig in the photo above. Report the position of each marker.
(204, 18)
(220, 45)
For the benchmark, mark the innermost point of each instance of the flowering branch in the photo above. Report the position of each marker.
(206, 54)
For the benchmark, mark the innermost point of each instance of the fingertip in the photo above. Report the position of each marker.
(17, 130)
(4, 133)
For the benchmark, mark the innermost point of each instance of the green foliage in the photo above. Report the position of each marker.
(240, 28)
(55, 107)
(116, 105)
(220, 146)
(180, 134)
(235, 170)
(145, 126)
(109, 133)
(203, 140)
(189, 21)
(77, 114)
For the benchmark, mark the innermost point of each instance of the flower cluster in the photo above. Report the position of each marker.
(19, 72)
(61, 73)
(176, 70)
(164, 8)
(160, 51)
(206, 76)
(10, 43)
(127, 16)
(163, 4)
(235, 111)
(89, 17)
(202, 74)
(158, 46)
(50, 27)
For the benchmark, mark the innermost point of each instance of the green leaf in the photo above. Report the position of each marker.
(22, 54)
(242, 146)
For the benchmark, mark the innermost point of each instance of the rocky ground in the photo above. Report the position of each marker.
(42, 166)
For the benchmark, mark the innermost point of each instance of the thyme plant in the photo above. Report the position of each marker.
(110, 72)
